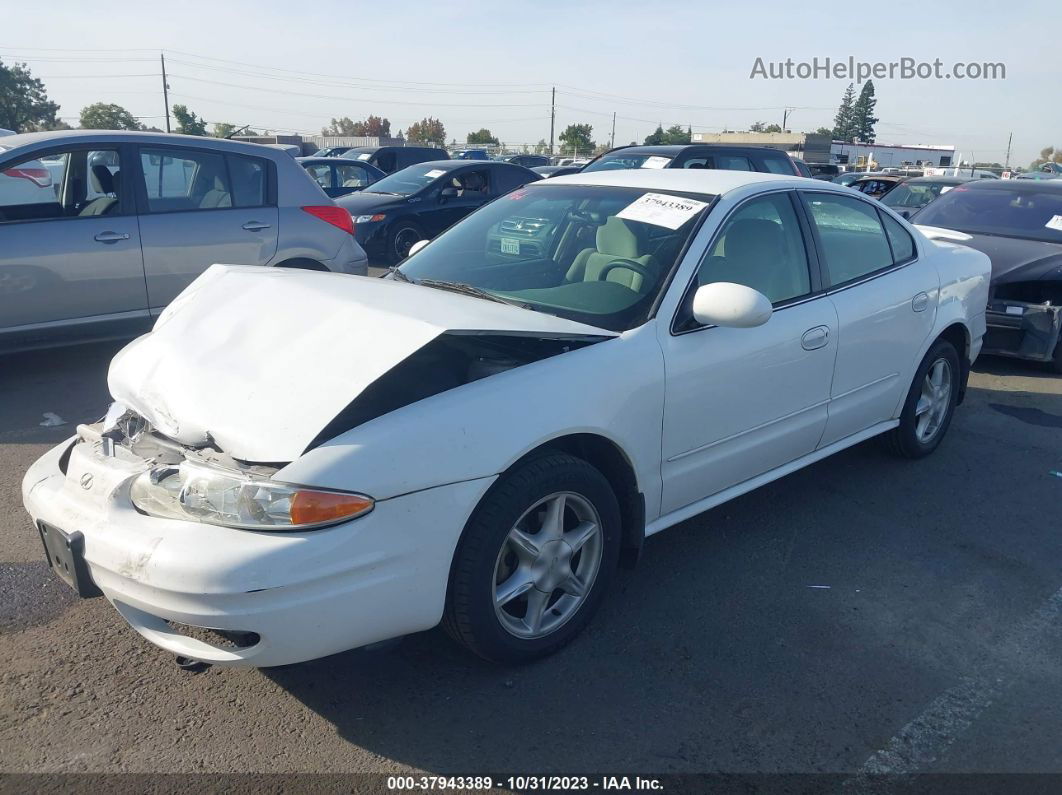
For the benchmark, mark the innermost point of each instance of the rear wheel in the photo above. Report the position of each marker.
(534, 561)
(930, 404)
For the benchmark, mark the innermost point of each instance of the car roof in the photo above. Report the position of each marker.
(690, 180)
(137, 136)
(673, 150)
(1025, 186)
(943, 179)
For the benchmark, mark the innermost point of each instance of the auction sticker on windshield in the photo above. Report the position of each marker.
(660, 209)
(1055, 223)
(435, 172)
(656, 162)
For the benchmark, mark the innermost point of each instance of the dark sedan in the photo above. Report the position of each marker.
(527, 161)
(914, 194)
(338, 177)
(1018, 224)
(420, 201)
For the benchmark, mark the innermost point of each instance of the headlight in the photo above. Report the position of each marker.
(364, 219)
(199, 493)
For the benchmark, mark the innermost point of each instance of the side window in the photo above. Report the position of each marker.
(699, 162)
(508, 179)
(322, 175)
(248, 175)
(733, 163)
(776, 166)
(853, 241)
(69, 184)
(385, 161)
(473, 184)
(761, 246)
(903, 247)
(351, 176)
(182, 179)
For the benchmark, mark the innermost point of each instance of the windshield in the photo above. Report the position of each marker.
(1016, 212)
(597, 255)
(914, 195)
(620, 159)
(409, 180)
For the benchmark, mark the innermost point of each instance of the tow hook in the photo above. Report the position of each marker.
(190, 665)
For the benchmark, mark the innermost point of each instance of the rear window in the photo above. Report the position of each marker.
(776, 165)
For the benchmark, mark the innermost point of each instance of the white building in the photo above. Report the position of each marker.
(856, 156)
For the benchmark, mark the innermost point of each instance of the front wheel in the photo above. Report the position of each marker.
(930, 404)
(534, 561)
(401, 239)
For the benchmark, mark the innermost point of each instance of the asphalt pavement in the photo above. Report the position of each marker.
(866, 614)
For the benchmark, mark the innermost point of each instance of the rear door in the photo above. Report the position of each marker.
(70, 254)
(885, 300)
(199, 207)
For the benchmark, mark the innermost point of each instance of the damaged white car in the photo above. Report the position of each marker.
(300, 463)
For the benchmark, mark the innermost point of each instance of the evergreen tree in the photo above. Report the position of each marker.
(863, 118)
(842, 122)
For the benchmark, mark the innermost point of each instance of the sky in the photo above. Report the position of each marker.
(288, 66)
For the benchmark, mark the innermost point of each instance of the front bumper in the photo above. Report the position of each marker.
(299, 596)
(372, 237)
(1025, 331)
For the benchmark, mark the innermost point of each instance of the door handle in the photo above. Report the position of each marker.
(920, 302)
(255, 226)
(815, 338)
(111, 237)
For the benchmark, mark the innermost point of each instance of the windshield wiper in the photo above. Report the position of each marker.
(475, 292)
(394, 272)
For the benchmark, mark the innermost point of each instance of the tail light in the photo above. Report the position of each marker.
(41, 177)
(336, 216)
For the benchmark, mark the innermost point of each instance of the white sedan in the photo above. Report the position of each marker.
(300, 463)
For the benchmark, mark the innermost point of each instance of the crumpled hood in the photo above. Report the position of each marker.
(260, 360)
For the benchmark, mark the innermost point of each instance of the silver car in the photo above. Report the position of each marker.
(99, 229)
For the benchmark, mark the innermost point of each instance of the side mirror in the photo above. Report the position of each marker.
(448, 193)
(904, 213)
(730, 304)
(416, 247)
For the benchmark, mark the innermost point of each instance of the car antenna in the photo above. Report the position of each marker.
(236, 132)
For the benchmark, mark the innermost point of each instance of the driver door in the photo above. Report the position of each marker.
(451, 209)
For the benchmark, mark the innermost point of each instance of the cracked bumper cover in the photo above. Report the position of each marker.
(306, 595)
(1023, 330)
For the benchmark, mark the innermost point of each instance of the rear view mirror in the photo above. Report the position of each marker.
(416, 247)
(730, 304)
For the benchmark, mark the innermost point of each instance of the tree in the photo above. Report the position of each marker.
(427, 131)
(1049, 154)
(577, 138)
(24, 104)
(542, 148)
(104, 116)
(863, 118)
(675, 134)
(821, 131)
(843, 129)
(656, 137)
(187, 122)
(222, 129)
(760, 127)
(481, 136)
(372, 127)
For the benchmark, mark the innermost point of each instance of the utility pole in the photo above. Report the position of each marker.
(1006, 165)
(785, 117)
(552, 117)
(612, 138)
(165, 90)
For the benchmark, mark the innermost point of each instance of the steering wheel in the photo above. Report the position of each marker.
(626, 264)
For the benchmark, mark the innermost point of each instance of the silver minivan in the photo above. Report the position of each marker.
(100, 229)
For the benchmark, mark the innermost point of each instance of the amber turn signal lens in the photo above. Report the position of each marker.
(318, 507)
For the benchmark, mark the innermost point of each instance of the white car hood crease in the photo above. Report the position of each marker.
(259, 360)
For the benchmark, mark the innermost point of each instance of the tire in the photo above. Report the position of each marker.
(400, 239)
(918, 435)
(489, 556)
(1056, 363)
